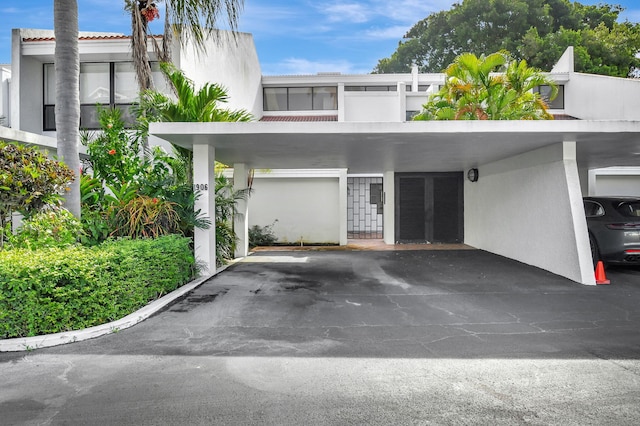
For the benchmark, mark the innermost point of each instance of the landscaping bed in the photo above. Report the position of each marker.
(51, 290)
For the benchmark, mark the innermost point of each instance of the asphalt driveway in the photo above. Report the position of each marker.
(397, 337)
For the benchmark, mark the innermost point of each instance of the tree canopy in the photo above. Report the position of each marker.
(538, 31)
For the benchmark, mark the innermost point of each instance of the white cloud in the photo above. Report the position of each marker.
(356, 13)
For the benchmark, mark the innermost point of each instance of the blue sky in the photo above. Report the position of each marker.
(292, 37)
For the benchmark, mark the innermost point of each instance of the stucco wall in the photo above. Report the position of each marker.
(231, 62)
(618, 185)
(31, 86)
(5, 76)
(529, 208)
(595, 97)
(306, 209)
(371, 106)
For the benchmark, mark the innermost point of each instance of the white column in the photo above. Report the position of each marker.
(241, 220)
(414, 78)
(204, 183)
(580, 230)
(342, 205)
(341, 108)
(402, 102)
(388, 192)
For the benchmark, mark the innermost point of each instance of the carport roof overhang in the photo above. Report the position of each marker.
(365, 147)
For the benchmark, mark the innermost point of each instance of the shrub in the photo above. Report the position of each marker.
(51, 228)
(61, 289)
(262, 235)
(29, 181)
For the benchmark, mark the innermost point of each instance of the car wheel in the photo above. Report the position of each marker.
(595, 253)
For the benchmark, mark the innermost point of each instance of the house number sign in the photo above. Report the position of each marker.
(201, 187)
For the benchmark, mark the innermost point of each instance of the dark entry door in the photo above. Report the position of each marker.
(429, 207)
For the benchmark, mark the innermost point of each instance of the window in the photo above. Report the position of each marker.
(125, 84)
(275, 99)
(325, 98)
(421, 87)
(545, 91)
(410, 114)
(593, 209)
(300, 98)
(629, 209)
(393, 88)
(94, 84)
(112, 84)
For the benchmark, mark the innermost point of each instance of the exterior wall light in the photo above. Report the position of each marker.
(472, 175)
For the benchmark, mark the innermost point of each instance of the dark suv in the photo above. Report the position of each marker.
(614, 229)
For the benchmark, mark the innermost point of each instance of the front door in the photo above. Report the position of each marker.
(429, 207)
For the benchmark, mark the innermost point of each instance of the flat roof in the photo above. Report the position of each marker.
(367, 147)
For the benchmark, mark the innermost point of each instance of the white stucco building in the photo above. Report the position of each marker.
(338, 157)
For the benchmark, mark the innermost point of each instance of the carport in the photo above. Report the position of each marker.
(525, 205)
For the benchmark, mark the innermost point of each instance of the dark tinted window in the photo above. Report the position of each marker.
(629, 209)
(593, 209)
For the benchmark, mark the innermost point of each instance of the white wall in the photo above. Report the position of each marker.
(529, 208)
(595, 97)
(621, 181)
(31, 87)
(306, 208)
(231, 62)
(5, 78)
(371, 106)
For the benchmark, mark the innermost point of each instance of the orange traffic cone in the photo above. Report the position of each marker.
(601, 278)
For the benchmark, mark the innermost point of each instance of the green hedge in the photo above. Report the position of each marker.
(61, 289)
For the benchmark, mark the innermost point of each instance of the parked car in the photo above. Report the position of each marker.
(614, 229)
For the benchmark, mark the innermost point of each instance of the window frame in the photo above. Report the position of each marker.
(315, 98)
(48, 112)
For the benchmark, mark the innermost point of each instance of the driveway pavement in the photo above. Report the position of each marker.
(397, 337)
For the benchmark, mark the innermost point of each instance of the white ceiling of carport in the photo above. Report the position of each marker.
(404, 147)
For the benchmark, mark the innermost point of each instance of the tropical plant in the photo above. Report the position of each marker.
(474, 90)
(114, 152)
(29, 181)
(191, 105)
(226, 201)
(198, 105)
(67, 109)
(120, 184)
(190, 20)
(146, 217)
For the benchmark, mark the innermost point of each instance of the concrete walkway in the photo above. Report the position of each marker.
(353, 337)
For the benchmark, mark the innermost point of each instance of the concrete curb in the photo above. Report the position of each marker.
(36, 342)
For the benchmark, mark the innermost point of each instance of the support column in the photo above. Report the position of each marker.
(388, 192)
(402, 102)
(341, 108)
(342, 203)
(204, 183)
(241, 220)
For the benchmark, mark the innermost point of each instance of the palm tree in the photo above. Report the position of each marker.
(474, 90)
(67, 110)
(203, 105)
(190, 20)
